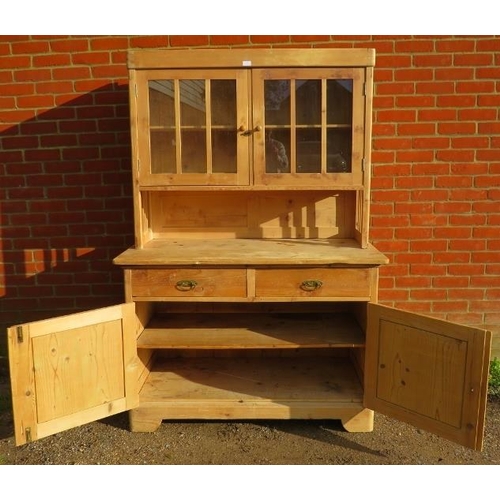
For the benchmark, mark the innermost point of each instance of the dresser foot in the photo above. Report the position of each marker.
(359, 422)
(143, 421)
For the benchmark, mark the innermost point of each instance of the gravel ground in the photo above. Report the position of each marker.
(293, 442)
(177, 455)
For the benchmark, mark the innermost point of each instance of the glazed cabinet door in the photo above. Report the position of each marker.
(310, 126)
(71, 370)
(191, 127)
(429, 373)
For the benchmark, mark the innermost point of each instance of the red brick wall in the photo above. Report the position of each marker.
(65, 169)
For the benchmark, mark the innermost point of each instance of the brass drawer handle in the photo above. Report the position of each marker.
(311, 285)
(186, 285)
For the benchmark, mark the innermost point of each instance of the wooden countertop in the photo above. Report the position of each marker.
(251, 252)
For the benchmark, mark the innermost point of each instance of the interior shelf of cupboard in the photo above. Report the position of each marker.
(260, 387)
(251, 331)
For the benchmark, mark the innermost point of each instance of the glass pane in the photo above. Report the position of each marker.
(277, 150)
(277, 102)
(193, 151)
(224, 136)
(161, 103)
(193, 126)
(339, 101)
(277, 112)
(162, 123)
(309, 151)
(162, 152)
(223, 103)
(224, 151)
(308, 102)
(339, 148)
(193, 108)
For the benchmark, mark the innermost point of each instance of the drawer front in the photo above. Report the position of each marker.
(314, 283)
(186, 282)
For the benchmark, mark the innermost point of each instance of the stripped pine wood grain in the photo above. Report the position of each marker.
(427, 372)
(72, 369)
(273, 380)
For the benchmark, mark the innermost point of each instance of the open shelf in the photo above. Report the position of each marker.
(251, 331)
(304, 387)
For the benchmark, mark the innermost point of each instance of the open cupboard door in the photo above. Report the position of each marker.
(71, 370)
(428, 373)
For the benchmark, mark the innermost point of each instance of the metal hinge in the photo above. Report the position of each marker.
(135, 89)
(363, 164)
(364, 89)
(27, 433)
(20, 334)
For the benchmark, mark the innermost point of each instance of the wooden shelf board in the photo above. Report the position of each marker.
(252, 252)
(251, 331)
(258, 187)
(228, 382)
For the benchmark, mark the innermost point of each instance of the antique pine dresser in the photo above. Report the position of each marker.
(251, 290)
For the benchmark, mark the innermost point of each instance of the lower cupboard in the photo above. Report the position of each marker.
(167, 361)
(247, 366)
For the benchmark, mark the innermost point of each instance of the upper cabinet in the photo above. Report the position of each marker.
(260, 119)
(196, 123)
(309, 126)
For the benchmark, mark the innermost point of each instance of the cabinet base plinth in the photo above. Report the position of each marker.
(149, 419)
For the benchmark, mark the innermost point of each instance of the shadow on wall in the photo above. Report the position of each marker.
(66, 207)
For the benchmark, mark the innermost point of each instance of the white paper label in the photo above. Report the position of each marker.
(247, 63)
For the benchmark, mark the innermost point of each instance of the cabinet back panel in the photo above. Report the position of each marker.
(240, 214)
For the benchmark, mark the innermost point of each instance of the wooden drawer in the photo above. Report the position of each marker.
(187, 282)
(314, 283)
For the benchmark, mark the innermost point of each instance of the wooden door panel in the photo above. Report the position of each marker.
(71, 370)
(294, 150)
(188, 135)
(427, 372)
